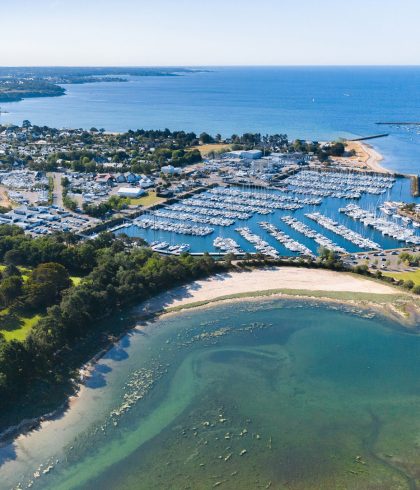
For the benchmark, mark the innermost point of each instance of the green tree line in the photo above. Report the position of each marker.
(119, 274)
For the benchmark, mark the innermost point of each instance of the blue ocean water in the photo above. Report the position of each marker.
(304, 102)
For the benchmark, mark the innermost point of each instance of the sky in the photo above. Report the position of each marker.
(205, 33)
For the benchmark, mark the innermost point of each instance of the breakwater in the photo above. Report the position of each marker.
(372, 137)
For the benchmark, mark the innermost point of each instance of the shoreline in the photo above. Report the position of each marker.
(272, 278)
(376, 298)
(366, 155)
(374, 158)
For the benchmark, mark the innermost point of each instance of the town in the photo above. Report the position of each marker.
(174, 189)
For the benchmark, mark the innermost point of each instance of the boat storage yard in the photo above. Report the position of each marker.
(345, 212)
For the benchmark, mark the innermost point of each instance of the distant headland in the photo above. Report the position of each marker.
(18, 83)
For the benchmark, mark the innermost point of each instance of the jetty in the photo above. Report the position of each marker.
(412, 123)
(372, 137)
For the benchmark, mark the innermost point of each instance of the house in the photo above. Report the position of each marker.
(145, 182)
(106, 179)
(131, 178)
(120, 179)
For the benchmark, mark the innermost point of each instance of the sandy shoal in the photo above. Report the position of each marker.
(263, 280)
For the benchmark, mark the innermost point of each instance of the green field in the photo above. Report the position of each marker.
(19, 328)
(405, 276)
(148, 200)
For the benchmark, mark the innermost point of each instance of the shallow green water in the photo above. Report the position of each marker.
(269, 394)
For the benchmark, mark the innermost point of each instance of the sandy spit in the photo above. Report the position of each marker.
(263, 280)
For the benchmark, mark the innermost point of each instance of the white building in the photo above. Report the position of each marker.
(170, 170)
(132, 192)
(246, 154)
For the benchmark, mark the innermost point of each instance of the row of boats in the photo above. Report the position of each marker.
(391, 209)
(259, 244)
(310, 233)
(227, 245)
(250, 205)
(196, 206)
(350, 185)
(264, 198)
(195, 218)
(147, 222)
(385, 226)
(350, 235)
(286, 240)
(158, 246)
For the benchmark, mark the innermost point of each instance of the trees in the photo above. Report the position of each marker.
(10, 290)
(329, 258)
(205, 139)
(117, 276)
(409, 284)
(69, 203)
(45, 284)
(114, 203)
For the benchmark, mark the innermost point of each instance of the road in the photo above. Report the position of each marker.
(58, 188)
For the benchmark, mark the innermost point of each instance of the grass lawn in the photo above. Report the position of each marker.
(206, 149)
(405, 276)
(24, 270)
(20, 328)
(75, 280)
(148, 200)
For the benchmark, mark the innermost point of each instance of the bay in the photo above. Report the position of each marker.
(316, 103)
(301, 394)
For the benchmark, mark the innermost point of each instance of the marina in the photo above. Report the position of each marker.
(304, 213)
(399, 231)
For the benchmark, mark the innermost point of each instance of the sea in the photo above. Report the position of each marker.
(272, 393)
(314, 103)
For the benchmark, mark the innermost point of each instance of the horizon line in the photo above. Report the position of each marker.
(223, 66)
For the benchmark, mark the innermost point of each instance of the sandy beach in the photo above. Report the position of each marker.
(265, 280)
(366, 156)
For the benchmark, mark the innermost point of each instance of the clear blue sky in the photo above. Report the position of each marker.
(209, 32)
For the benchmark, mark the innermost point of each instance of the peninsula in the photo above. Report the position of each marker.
(21, 83)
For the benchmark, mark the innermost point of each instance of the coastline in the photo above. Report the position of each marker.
(272, 278)
(374, 158)
(291, 283)
(366, 156)
(365, 296)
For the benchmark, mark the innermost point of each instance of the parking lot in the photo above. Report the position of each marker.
(386, 260)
